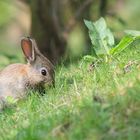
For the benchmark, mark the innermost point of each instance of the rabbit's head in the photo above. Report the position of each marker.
(40, 69)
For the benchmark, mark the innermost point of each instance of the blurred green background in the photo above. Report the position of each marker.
(16, 21)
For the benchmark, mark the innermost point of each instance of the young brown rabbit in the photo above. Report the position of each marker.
(17, 79)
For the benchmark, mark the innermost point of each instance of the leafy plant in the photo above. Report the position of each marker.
(101, 37)
(103, 42)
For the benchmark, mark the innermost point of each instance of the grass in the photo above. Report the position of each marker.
(101, 104)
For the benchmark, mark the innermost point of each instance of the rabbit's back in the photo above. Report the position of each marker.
(13, 80)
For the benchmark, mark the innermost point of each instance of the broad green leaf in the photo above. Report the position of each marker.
(100, 26)
(124, 43)
(104, 32)
(89, 24)
(132, 32)
(101, 37)
(110, 38)
(95, 38)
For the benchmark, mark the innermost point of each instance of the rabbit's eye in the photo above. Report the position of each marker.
(44, 71)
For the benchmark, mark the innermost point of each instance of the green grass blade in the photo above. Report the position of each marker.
(124, 43)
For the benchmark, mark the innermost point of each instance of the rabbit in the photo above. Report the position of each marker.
(17, 79)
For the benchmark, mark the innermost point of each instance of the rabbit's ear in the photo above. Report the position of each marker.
(28, 49)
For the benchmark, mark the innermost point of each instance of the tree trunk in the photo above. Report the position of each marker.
(44, 30)
(49, 27)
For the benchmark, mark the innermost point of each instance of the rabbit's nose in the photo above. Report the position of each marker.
(28, 37)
